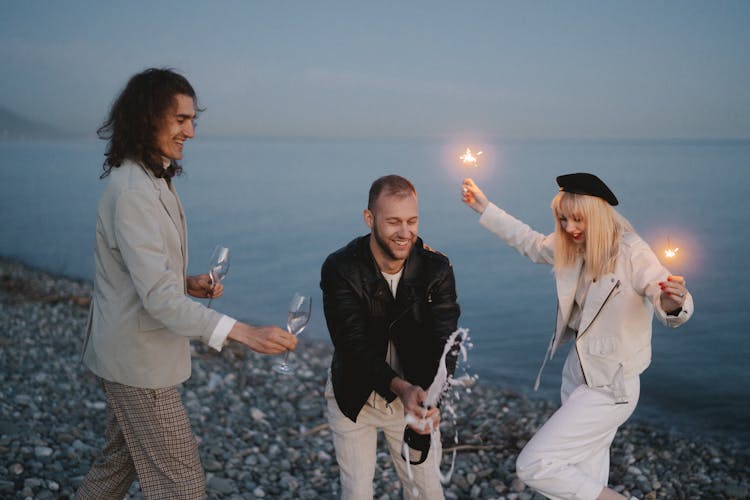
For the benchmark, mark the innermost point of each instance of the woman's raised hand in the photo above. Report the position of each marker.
(673, 292)
(473, 196)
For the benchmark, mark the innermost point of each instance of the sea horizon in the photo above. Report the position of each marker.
(282, 205)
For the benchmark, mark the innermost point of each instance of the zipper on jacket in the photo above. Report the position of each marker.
(428, 293)
(401, 315)
(580, 363)
(578, 352)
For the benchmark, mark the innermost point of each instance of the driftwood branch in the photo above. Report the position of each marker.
(472, 447)
(315, 430)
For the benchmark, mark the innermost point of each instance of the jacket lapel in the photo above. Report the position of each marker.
(599, 292)
(372, 281)
(567, 281)
(171, 203)
(406, 296)
(375, 283)
(181, 225)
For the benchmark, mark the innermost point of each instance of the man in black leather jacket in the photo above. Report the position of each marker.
(390, 305)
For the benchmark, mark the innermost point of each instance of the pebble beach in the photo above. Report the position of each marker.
(263, 435)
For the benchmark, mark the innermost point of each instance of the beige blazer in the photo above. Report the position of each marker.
(614, 336)
(141, 319)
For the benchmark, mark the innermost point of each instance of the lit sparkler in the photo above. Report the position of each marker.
(670, 252)
(470, 159)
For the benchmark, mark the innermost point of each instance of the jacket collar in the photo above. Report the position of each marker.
(566, 281)
(373, 279)
(170, 201)
(598, 293)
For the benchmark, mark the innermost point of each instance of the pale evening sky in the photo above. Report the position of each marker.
(432, 69)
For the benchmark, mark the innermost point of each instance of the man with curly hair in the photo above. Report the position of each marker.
(141, 319)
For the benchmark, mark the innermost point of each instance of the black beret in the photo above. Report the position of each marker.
(590, 184)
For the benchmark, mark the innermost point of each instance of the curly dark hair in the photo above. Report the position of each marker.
(135, 118)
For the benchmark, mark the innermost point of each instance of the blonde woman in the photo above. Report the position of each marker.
(609, 286)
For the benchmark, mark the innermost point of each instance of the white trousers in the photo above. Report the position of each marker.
(568, 457)
(356, 450)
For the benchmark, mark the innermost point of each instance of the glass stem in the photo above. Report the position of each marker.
(211, 283)
(286, 354)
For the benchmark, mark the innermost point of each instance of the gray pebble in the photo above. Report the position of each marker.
(220, 485)
(43, 451)
(7, 486)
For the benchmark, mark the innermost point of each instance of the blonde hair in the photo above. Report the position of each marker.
(604, 227)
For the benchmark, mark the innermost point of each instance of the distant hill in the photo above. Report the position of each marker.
(14, 126)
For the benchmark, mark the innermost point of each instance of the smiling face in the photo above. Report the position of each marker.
(393, 222)
(574, 226)
(177, 126)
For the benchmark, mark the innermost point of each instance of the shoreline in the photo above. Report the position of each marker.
(262, 435)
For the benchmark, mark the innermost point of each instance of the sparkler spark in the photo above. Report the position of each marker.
(470, 159)
(670, 252)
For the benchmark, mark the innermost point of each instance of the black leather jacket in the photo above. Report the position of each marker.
(362, 316)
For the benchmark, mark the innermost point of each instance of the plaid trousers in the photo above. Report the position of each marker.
(148, 434)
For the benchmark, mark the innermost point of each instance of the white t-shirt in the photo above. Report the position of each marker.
(391, 357)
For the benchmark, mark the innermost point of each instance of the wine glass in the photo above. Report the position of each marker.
(297, 319)
(218, 266)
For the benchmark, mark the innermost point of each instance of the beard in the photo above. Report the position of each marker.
(383, 245)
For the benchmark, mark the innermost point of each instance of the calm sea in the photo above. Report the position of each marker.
(282, 206)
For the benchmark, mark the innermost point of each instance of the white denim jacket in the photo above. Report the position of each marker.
(614, 337)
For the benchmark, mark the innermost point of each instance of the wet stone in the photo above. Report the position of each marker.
(43, 451)
(517, 485)
(7, 486)
(220, 485)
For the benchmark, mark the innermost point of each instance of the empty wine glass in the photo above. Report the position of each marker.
(297, 319)
(218, 266)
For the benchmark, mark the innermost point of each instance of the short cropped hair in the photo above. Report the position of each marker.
(389, 185)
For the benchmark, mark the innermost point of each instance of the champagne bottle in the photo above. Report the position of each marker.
(418, 446)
